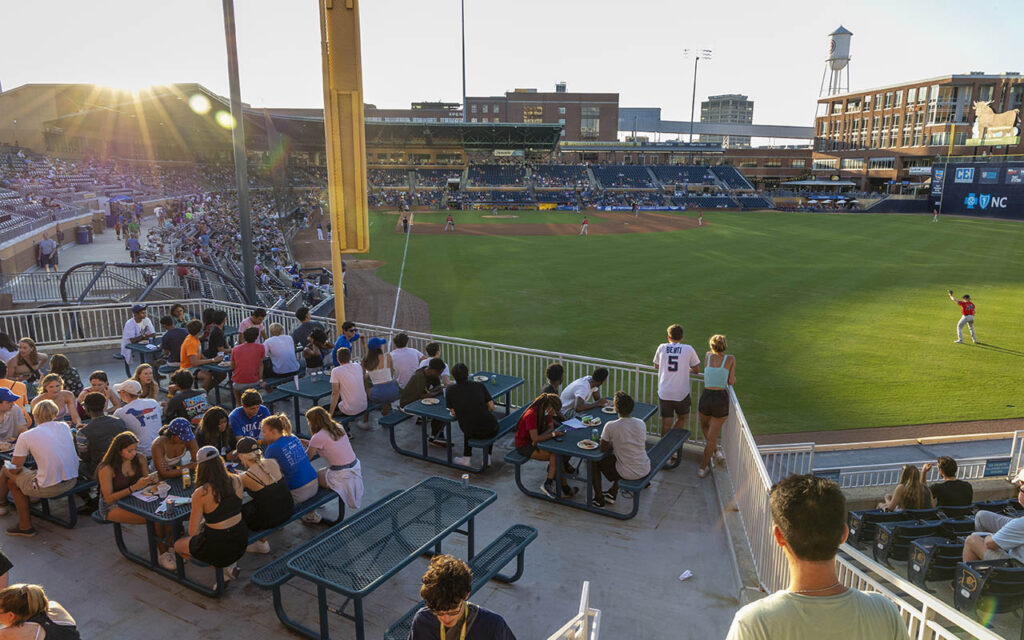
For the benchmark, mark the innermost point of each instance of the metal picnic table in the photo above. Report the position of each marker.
(307, 388)
(354, 559)
(143, 349)
(221, 367)
(497, 385)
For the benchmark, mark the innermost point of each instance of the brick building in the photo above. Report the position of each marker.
(583, 116)
(731, 108)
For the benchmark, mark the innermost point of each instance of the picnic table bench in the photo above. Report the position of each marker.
(359, 555)
(42, 510)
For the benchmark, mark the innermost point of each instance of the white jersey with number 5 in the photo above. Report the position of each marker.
(674, 360)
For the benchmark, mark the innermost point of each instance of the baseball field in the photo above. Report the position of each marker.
(837, 321)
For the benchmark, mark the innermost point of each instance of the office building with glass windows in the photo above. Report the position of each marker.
(731, 108)
(583, 116)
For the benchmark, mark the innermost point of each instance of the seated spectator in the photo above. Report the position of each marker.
(997, 536)
(426, 383)
(405, 359)
(290, 453)
(215, 432)
(448, 611)
(190, 358)
(8, 349)
(51, 446)
(25, 611)
(433, 350)
(626, 441)
(271, 503)
(343, 473)
(217, 534)
(306, 327)
(12, 418)
(142, 416)
(170, 342)
(245, 419)
(179, 316)
(809, 516)
(535, 426)
(378, 367)
(348, 392)
(51, 388)
(17, 388)
(470, 403)
(950, 492)
(319, 350)
(554, 374)
(247, 363)
(60, 365)
(29, 365)
(121, 472)
(255, 320)
(910, 493)
(137, 329)
(579, 394)
(187, 402)
(348, 338)
(99, 383)
(93, 439)
(146, 378)
(280, 349)
(170, 447)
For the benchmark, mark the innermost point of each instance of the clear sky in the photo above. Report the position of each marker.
(773, 51)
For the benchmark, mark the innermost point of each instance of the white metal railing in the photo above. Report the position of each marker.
(781, 460)
(585, 625)
(888, 474)
(1017, 451)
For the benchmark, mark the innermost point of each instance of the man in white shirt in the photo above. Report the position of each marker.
(809, 517)
(997, 536)
(137, 329)
(280, 349)
(579, 394)
(142, 416)
(405, 359)
(348, 393)
(433, 350)
(675, 362)
(626, 441)
(51, 445)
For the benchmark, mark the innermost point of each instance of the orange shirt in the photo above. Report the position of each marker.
(189, 352)
(19, 389)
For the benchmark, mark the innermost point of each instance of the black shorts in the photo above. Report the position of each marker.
(607, 467)
(48, 260)
(714, 403)
(676, 407)
(526, 450)
(219, 547)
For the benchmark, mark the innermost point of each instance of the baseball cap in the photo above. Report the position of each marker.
(138, 307)
(6, 395)
(206, 453)
(130, 386)
(375, 343)
(182, 428)
(246, 445)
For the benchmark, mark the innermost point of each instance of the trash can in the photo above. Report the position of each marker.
(82, 234)
(110, 220)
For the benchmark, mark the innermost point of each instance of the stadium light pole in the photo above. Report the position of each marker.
(238, 142)
(464, 107)
(697, 55)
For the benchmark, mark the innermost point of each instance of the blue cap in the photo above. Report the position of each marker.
(6, 395)
(182, 428)
(376, 343)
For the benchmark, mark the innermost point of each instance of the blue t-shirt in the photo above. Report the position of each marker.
(291, 457)
(242, 425)
(342, 342)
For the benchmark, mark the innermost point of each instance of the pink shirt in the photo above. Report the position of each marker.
(245, 324)
(336, 452)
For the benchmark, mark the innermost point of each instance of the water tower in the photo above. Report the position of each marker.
(837, 60)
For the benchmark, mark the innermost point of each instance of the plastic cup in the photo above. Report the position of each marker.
(162, 491)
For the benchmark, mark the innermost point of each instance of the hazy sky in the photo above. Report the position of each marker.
(773, 51)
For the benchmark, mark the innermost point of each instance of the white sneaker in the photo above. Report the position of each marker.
(166, 560)
(958, 342)
(719, 456)
(5, 509)
(463, 460)
(260, 546)
(312, 518)
(703, 473)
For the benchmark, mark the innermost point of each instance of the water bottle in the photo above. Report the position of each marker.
(595, 435)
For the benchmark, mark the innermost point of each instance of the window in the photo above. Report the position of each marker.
(837, 107)
(773, 162)
(878, 101)
(590, 122)
(533, 114)
(899, 98)
(472, 109)
(882, 163)
(985, 92)
(561, 111)
(822, 164)
(911, 95)
(747, 164)
(473, 119)
(852, 163)
(888, 99)
(485, 108)
(867, 102)
(853, 105)
(798, 164)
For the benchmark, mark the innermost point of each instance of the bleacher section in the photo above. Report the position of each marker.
(426, 178)
(498, 197)
(558, 197)
(731, 177)
(560, 176)
(388, 177)
(623, 176)
(754, 202)
(704, 202)
(497, 175)
(683, 174)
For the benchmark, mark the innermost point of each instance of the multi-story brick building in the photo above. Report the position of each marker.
(731, 108)
(583, 116)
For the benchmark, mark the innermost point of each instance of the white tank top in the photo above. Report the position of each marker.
(380, 376)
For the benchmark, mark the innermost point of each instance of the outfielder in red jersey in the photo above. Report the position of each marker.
(967, 317)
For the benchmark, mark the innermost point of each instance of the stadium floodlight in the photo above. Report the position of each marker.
(697, 55)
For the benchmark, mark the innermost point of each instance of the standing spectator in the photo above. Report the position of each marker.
(47, 255)
(247, 363)
(51, 446)
(713, 407)
(674, 362)
(187, 403)
(93, 439)
(12, 418)
(625, 441)
(348, 392)
(405, 359)
(997, 536)
(171, 341)
(809, 516)
(349, 338)
(245, 420)
(306, 326)
(343, 473)
(60, 365)
(29, 365)
(137, 328)
(255, 319)
(271, 504)
(950, 492)
(51, 388)
(280, 349)
(910, 493)
(579, 394)
(215, 432)
(141, 415)
(470, 403)
(448, 611)
(25, 611)
(290, 454)
(426, 383)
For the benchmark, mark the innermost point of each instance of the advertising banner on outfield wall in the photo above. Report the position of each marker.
(980, 189)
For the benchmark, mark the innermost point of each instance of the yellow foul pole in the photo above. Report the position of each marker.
(345, 136)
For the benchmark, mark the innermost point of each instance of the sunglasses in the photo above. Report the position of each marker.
(450, 614)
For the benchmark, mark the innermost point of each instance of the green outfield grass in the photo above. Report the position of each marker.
(486, 216)
(837, 321)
